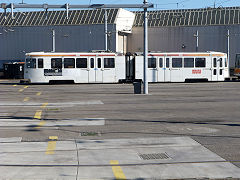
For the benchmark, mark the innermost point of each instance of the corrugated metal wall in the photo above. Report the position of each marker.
(211, 38)
(16, 41)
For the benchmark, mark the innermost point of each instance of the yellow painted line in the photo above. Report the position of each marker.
(26, 99)
(14, 85)
(25, 87)
(21, 90)
(39, 93)
(40, 124)
(44, 105)
(51, 144)
(38, 114)
(117, 170)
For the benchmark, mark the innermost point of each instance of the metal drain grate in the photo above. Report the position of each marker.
(154, 156)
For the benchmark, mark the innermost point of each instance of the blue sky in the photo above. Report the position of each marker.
(159, 4)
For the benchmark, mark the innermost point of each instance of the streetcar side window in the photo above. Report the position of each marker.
(31, 62)
(226, 62)
(214, 62)
(160, 62)
(176, 62)
(109, 62)
(188, 62)
(221, 62)
(167, 62)
(200, 62)
(99, 62)
(40, 63)
(151, 62)
(81, 62)
(69, 63)
(92, 62)
(56, 63)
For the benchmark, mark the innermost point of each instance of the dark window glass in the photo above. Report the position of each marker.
(99, 62)
(200, 62)
(31, 63)
(160, 62)
(221, 71)
(109, 63)
(69, 63)
(92, 62)
(56, 63)
(176, 62)
(221, 62)
(214, 72)
(226, 63)
(40, 63)
(188, 62)
(151, 62)
(167, 62)
(81, 62)
(214, 62)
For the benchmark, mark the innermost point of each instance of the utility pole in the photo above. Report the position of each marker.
(53, 41)
(228, 44)
(197, 42)
(145, 34)
(106, 30)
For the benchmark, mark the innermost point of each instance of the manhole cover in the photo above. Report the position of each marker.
(154, 156)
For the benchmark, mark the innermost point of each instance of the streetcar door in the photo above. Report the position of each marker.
(161, 69)
(91, 70)
(152, 70)
(217, 69)
(109, 69)
(99, 70)
(176, 70)
(167, 70)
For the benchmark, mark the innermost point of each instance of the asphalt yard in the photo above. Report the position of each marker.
(104, 131)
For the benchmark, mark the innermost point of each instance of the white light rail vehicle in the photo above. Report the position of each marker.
(108, 67)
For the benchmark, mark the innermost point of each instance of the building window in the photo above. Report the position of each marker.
(31, 62)
(176, 62)
(69, 63)
(188, 62)
(160, 62)
(40, 63)
(56, 63)
(200, 62)
(81, 62)
(151, 62)
(109, 63)
(99, 62)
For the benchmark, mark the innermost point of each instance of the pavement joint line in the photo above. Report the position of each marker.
(25, 87)
(117, 170)
(38, 114)
(38, 93)
(51, 145)
(44, 105)
(26, 99)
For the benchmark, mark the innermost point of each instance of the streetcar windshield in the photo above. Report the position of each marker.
(237, 65)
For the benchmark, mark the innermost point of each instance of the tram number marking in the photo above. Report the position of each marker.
(196, 71)
(52, 72)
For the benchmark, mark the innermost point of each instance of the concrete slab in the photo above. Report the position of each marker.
(10, 140)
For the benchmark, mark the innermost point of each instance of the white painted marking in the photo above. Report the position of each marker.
(64, 122)
(4, 114)
(60, 104)
(11, 140)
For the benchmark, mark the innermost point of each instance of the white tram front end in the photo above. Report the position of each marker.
(183, 67)
(102, 67)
